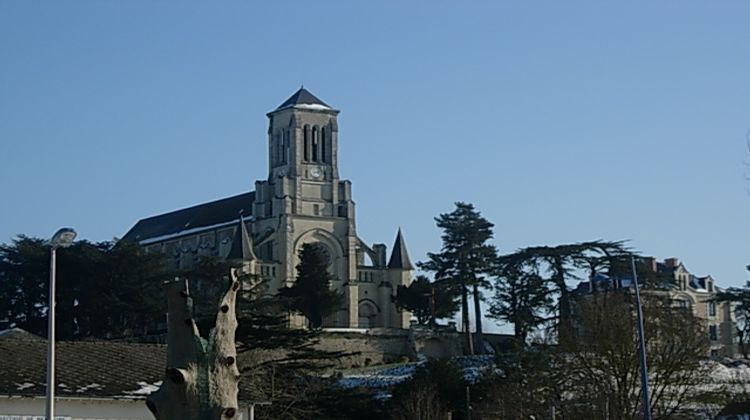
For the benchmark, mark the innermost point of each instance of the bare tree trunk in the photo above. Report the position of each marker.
(201, 379)
(465, 318)
(479, 346)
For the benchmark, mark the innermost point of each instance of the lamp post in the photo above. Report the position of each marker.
(642, 345)
(63, 238)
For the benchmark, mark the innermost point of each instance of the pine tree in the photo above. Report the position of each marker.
(464, 260)
(105, 289)
(522, 297)
(422, 297)
(311, 294)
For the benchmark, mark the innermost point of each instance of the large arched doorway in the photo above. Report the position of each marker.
(368, 312)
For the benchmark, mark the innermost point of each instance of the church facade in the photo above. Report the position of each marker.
(303, 200)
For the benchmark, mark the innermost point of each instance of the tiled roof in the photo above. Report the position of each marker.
(203, 215)
(83, 368)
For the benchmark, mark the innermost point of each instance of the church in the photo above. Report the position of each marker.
(303, 200)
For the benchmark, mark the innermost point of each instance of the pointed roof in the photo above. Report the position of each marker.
(242, 244)
(399, 256)
(303, 99)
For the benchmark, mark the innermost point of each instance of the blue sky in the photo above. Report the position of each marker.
(561, 121)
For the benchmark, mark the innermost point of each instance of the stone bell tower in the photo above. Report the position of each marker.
(303, 200)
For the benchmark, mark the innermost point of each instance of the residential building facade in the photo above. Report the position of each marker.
(698, 294)
(685, 290)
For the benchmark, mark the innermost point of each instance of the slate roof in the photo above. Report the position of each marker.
(213, 213)
(86, 369)
(302, 97)
(100, 369)
(399, 256)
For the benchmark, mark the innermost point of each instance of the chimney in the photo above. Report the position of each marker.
(650, 262)
(671, 262)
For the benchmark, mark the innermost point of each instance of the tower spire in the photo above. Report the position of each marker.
(399, 255)
(242, 244)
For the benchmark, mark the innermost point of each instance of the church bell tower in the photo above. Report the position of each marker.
(303, 199)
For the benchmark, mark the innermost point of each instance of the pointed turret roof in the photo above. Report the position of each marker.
(304, 99)
(242, 244)
(399, 256)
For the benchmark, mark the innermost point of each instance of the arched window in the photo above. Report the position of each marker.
(306, 140)
(285, 155)
(278, 147)
(323, 144)
(315, 144)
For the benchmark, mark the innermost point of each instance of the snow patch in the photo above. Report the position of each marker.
(311, 106)
(23, 386)
(145, 388)
(91, 386)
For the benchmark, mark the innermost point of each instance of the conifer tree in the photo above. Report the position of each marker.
(311, 295)
(522, 297)
(423, 297)
(464, 260)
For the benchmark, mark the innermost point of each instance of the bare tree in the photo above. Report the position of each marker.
(201, 379)
(602, 363)
(421, 403)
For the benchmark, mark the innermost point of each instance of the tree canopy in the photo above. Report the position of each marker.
(311, 295)
(422, 297)
(105, 289)
(464, 261)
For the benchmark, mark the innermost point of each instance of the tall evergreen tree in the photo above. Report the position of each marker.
(464, 261)
(311, 294)
(424, 299)
(105, 289)
(522, 297)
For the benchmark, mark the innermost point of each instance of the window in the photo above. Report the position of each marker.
(681, 303)
(306, 141)
(315, 144)
(323, 144)
(714, 353)
(713, 334)
(285, 153)
(316, 209)
(711, 308)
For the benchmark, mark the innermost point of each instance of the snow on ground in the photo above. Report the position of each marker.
(724, 372)
(385, 377)
(730, 370)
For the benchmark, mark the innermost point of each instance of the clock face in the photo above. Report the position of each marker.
(315, 173)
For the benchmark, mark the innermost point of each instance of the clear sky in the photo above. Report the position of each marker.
(561, 121)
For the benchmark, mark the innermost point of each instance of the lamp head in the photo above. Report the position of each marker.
(63, 238)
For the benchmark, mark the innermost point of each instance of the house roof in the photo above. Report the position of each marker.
(399, 256)
(99, 369)
(85, 369)
(189, 219)
(301, 98)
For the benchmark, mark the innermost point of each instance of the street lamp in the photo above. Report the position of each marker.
(63, 238)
